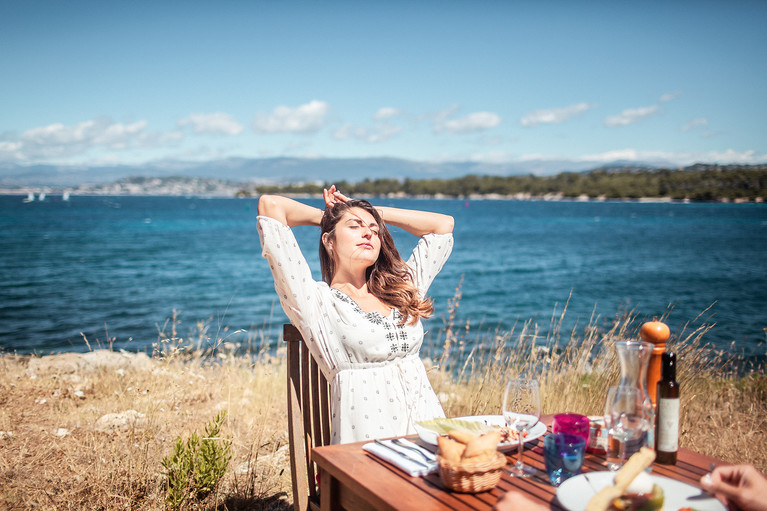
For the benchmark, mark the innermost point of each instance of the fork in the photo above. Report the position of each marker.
(400, 443)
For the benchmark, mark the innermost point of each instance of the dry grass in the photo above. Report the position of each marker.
(43, 467)
(723, 411)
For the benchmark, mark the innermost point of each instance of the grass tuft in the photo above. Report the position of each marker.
(55, 453)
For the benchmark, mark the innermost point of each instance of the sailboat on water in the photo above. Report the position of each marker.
(65, 196)
(30, 197)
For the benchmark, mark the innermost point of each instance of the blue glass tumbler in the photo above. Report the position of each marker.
(563, 454)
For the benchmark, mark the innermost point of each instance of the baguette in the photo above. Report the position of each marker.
(483, 444)
(635, 464)
(450, 449)
(461, 436)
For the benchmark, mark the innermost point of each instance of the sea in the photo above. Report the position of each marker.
(129, 272)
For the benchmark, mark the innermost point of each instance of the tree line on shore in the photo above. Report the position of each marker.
(697, 183)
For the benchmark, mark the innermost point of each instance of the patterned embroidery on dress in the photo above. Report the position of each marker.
(373, 317)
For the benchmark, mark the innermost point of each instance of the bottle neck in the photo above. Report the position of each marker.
(668, 372)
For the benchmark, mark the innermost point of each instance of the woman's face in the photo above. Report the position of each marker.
(356, 240)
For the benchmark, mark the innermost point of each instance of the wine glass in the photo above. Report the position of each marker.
(628, 420)
(521, 411)
(611, 453)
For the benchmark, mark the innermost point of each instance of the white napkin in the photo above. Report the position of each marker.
(390, 454)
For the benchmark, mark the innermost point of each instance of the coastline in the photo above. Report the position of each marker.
(71, 193)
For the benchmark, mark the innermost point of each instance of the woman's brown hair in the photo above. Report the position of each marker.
(389, 278)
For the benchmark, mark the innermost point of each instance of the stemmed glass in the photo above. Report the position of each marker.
(626, 418)
(611, 452)
(521, 410)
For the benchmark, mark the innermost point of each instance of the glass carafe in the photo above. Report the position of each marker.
(634, 357)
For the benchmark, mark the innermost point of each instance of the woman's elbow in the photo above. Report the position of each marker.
(446, 225)
(266, 205)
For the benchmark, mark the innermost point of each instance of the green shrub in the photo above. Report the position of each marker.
(196, 466)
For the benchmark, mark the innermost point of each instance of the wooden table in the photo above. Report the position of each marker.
(353, 479)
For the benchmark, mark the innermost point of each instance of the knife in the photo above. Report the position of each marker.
(586, 476)
(404, 455)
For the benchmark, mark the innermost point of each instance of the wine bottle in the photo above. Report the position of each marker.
(667, 414)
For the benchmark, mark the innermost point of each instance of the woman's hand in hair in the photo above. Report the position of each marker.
(333, 196)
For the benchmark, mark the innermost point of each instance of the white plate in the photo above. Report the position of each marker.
(576, 492)
(430, 437)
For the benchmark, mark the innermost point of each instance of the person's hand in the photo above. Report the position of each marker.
(516, 501)
(737, 486)
(332, 196)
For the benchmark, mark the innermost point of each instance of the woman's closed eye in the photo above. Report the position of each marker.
(372, 229)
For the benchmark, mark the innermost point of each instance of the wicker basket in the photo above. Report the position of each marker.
(471, 477)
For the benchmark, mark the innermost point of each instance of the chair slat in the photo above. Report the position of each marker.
(316, 405)
(324, 410)
(306, 411)
(299, 476)
(308, 417)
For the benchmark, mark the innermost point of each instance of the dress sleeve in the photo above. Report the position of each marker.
(292, 276)
(428, 258)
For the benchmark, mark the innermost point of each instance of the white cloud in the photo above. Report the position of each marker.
(669, 96)
(478, 121)
(307, 118)
(491, 157)
(351, 132)
(386, 113)
(58, 140)
(695, 123)
(616, 154)
(678, 158)
(630, 116)
(730, 156)
(384, 132)
(217, 122)
(380, 133)
(555, 115)
(94, 132)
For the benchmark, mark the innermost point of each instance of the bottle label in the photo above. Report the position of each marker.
(668, 425)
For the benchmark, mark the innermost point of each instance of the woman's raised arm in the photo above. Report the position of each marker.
(288, 211)
(412, 220)
(417, 222)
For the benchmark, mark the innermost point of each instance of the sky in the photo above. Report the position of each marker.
(118, 82)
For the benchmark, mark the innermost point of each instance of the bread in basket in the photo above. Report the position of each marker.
(469, 463)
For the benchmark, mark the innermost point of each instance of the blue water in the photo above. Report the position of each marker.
(115, 268)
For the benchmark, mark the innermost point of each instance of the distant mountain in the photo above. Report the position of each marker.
(282, 170)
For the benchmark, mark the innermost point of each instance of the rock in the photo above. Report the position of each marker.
(120, 422)
(6, 434)
(61, 432)
(68, 363)
(112, 360)
(64, 363)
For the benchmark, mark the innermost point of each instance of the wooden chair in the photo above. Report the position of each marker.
(308, 418)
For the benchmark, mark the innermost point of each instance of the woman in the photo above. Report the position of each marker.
(362, 323)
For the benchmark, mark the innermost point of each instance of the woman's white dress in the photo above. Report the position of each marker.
(378, 384)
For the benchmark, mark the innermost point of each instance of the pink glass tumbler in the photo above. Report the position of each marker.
(573, 424)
